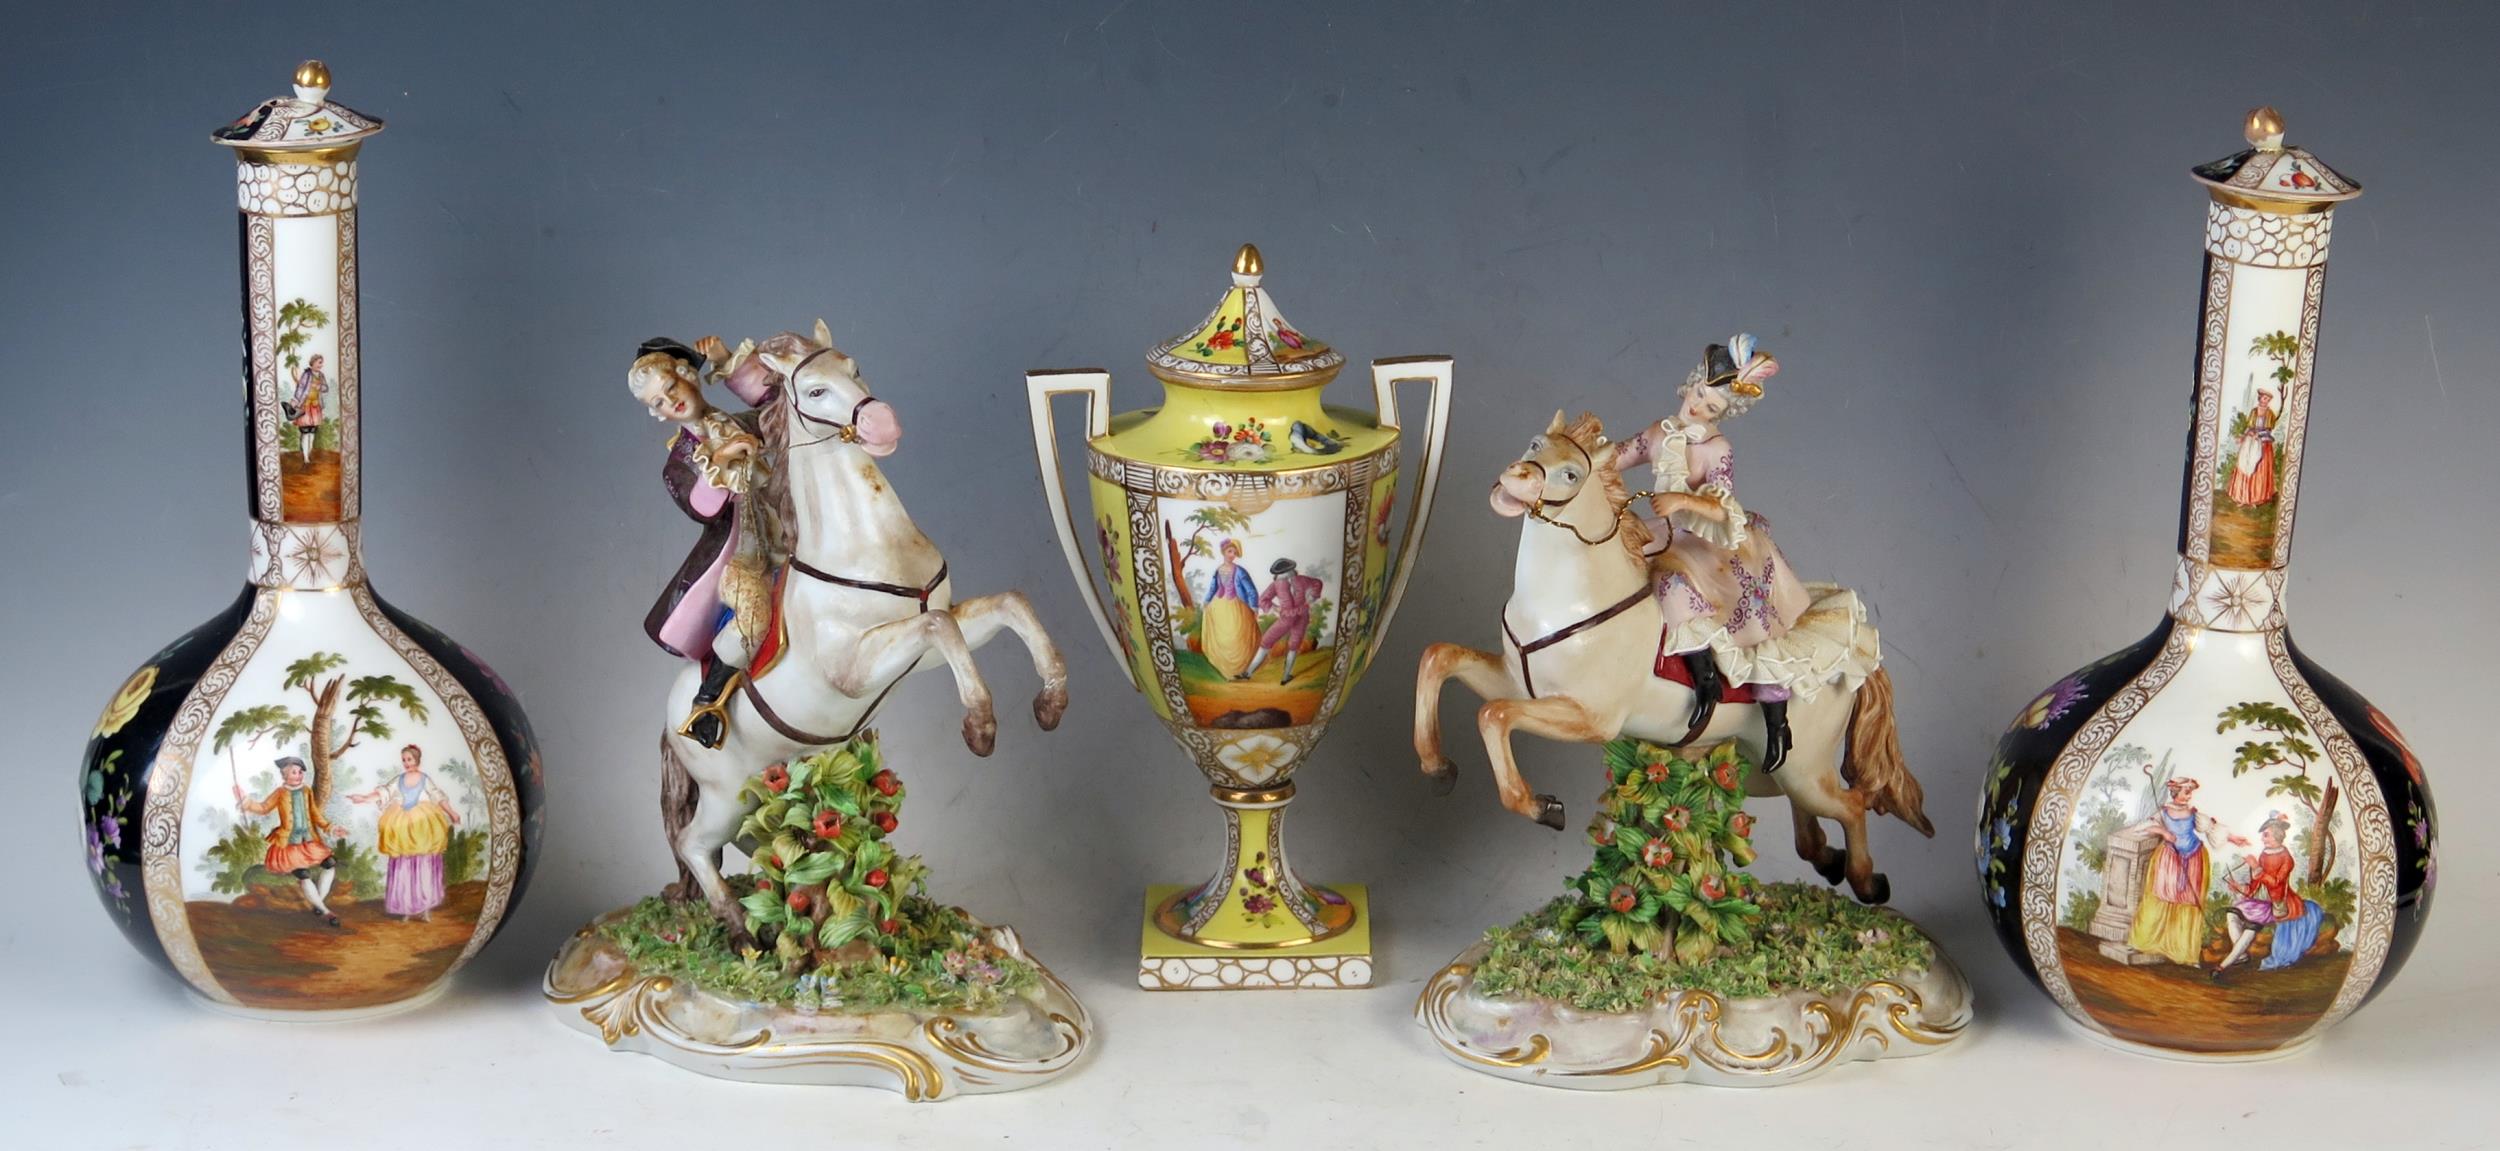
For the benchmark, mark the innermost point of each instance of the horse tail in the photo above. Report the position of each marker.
(1872, 764)
(678, 797)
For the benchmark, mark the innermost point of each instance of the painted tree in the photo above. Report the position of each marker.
(2280, 347)
(2286, 746)
(1203, 521)
(296, 320)
(360, 700)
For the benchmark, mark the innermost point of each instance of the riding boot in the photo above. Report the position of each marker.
(708, 723)
(1707, 687)
(1775, 734)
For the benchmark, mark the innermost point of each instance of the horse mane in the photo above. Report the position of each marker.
(772, 426)
(1588, 433)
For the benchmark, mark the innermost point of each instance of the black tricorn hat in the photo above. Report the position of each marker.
(671, 348)
(1717, 366)
(1280, 567)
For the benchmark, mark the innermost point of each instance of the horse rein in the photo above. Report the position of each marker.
(1527, 677)
(845, 431)
(1536, 513)
(772, 719)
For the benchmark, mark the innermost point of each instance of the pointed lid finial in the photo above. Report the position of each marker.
(302, 122)
(2271, 172)
(1245, 341)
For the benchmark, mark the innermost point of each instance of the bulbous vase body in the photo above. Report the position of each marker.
(2205, 846)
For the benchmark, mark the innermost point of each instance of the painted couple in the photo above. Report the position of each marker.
(415, 826)
(2170, 915)
(1228, 623)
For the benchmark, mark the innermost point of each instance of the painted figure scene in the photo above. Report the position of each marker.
(2203, 891)
(346, 863)
(1254, 608)
(2251, 467)
(308, 425)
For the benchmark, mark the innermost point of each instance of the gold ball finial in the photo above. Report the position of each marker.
(312, 74)
(2264, 129)
(1246, 262)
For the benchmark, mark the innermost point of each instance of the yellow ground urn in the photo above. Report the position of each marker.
(1244, 529)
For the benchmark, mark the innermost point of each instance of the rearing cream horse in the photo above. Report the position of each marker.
(867, 600)
(1581, 637)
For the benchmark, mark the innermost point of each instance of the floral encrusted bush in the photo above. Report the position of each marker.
(841, 921)
(1663, 907)
(1671, 834)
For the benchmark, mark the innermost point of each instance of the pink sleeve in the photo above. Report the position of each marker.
(707, 498)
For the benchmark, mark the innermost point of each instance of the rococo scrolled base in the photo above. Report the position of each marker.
(1691, 1036)
(923, 1055)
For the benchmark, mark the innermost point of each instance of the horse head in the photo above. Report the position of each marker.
(821, 387)
(1565, 462)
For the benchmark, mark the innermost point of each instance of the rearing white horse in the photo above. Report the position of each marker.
(1582, 638)
(867, 600)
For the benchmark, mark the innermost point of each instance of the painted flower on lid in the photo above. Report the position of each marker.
(305, 120)
(1245, 339)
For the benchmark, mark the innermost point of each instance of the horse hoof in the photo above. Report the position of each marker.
(1833, 867)
(1049, 706)
(980, 734)
(1549, 811)
(1442, 776)
(1878, 891)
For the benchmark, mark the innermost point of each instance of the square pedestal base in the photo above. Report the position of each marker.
(1168, 964)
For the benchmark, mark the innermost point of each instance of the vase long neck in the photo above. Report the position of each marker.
(297, 216)
(2265, 277)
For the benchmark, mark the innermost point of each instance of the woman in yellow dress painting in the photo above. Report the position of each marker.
(2170, 917)
(1228, 624)
(416, 825)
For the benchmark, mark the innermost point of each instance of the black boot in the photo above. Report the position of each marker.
(1708, 686)
(1775, 734)
(708, 723)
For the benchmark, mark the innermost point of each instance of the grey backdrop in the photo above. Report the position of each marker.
(1966, 229)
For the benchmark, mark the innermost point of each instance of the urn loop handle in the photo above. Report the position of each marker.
(1386, 376)
(1095, 385)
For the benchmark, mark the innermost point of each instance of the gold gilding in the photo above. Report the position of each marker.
(2264, 129)
(1246, 262)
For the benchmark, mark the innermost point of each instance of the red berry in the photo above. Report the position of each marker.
(1740, 823)
(889, 926)
(798, 902)
(777, 778)
(877, 877)
(1622, 899)
(828, 825)
(885, 822)
(885, 783)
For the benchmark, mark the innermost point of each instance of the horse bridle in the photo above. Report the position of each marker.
(845, 431)
(1531, 647)
(1589, 462)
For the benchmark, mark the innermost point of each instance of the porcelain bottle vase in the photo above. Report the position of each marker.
(2205, 846)
(313, 805)
(1244, 529)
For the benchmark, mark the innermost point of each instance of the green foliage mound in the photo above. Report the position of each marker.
(841, 921)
